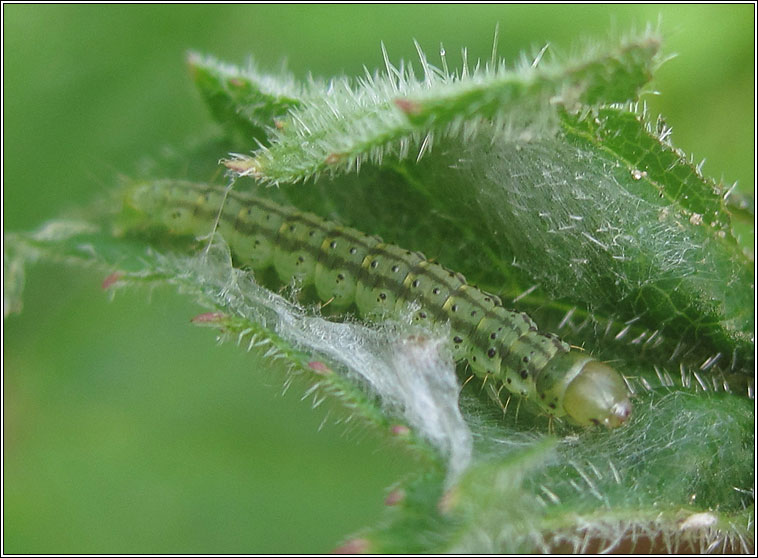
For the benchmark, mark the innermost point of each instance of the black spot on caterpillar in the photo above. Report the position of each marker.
(348, 267)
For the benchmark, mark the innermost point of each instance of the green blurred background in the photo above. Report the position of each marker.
(126, 430)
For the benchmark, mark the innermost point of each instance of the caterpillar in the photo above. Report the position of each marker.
(348, 267)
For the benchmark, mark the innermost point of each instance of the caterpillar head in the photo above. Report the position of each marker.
(597, 395)
(588, 391)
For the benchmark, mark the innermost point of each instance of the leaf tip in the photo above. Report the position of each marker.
(410, 108)
(243, 165)
(111, 280)
(319, 368)
(208, 318)
(400, 430)
(395, 497)
(353, 546)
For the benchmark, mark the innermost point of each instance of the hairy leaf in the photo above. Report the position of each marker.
(543, 183)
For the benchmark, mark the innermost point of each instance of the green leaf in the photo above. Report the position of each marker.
(540, 188)
(346, 125)
(247, 103)
(691, 252)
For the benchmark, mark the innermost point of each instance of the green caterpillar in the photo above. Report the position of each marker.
(349, 267)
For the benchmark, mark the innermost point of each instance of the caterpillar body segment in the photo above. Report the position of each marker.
(348, 267)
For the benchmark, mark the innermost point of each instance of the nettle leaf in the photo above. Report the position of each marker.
(349, 124)
(545, 184)
(248, 103)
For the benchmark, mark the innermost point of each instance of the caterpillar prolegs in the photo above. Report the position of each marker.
(348, 267)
